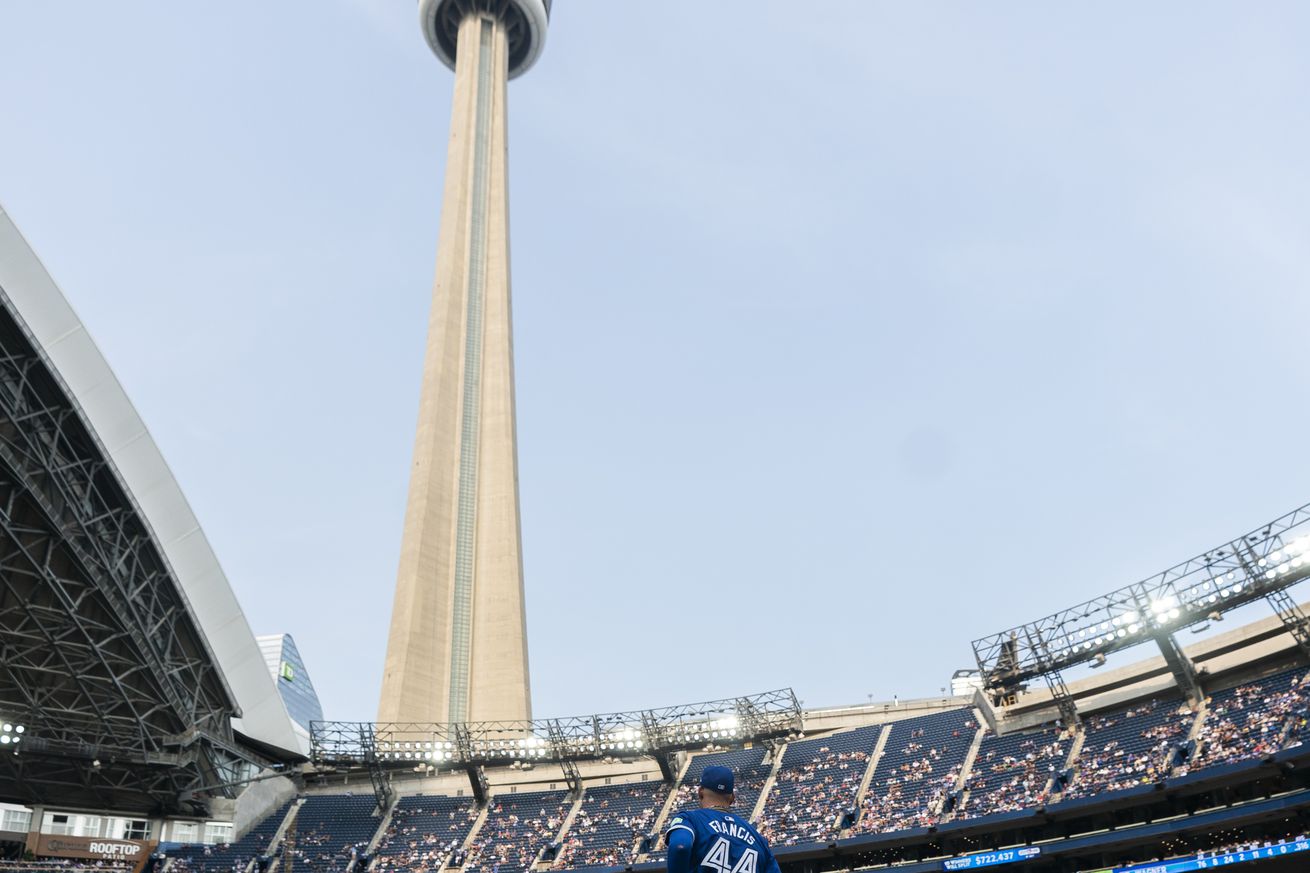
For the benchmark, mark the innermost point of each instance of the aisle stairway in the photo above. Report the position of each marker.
(779, 753)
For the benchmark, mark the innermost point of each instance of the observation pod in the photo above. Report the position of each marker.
(525, 23)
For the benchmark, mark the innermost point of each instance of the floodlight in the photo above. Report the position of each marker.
(1163, 605)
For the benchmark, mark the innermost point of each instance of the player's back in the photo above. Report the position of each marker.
(723, 841)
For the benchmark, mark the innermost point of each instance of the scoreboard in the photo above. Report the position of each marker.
(1210, 862)
(980, 860)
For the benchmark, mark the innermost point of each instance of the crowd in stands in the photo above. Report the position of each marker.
(751, 770)
(1247, 721)
(332, 830)
(816, 785)
(611, 821)
(206, 859)
(751, 767)
(424, 833)
(233, 856)
(1219, 845)
(919, 768)
(1130, 747)
(1250, 846)
(1298, 722)
(916, 783)
(517, 829)
(1013, 772)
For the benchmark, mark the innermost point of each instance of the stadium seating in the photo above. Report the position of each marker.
(331, 829)
(751, 773)
(919, 768)
(611, 820)
(234, 856)
(816, 784)
(1298, 716)
(917, 782)
(517, 828)
(1128, 747)
(1013, 772)
(425, 832)
(1247, 721)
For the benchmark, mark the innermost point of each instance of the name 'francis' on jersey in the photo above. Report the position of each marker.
(723, 842)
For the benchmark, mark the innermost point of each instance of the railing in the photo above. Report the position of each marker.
(639, 733)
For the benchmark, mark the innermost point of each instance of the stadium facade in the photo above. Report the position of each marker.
(127, 659)
(457, 649)
(1196, 757)
(911, 786)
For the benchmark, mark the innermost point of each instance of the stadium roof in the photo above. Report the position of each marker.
(68, 417)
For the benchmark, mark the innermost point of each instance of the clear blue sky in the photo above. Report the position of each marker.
(843, 337)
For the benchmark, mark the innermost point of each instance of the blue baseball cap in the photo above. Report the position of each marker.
(717, 778)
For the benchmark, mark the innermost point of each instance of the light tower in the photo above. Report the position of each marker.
(458, 648)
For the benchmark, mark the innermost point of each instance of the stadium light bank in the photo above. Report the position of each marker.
(11, 734)
(1262, 564)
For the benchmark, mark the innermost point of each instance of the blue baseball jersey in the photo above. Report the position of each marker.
(723, 842)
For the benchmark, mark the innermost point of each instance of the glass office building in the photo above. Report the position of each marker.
(292, 679)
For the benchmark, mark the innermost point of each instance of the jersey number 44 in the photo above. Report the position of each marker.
(717, 859)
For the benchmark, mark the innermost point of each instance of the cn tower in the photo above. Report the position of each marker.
(458, 648)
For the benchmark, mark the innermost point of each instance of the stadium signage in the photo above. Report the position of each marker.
(95, 848)
(1185, 865)
(991, 859)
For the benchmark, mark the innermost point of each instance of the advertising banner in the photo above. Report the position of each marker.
(93, 848)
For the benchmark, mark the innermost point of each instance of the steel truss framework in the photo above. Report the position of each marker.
(642, 733)
(1262, 564)
(100, 659)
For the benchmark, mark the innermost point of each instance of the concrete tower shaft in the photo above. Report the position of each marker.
(457, 650)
